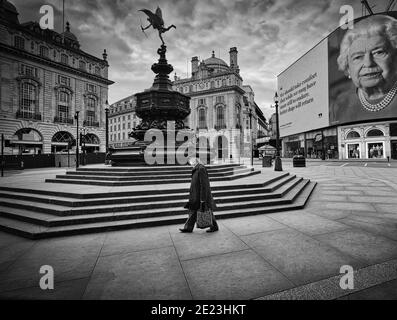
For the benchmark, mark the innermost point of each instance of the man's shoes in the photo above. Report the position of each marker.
(212, 230)
(185, 230)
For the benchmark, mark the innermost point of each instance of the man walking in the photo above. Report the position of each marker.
(200, 197)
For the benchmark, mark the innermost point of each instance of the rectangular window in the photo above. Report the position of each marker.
(91, 87)
(201, 101)
(63, 113)
(129, 117)
(64, 80)
(44, 51)
(82, 65)
(220, 99)
(119, 128)
(129, 125)
(19, 42)
(90, 116)
(29, 71)
(123, 126)
(123, 135)
(97, 71)
(64, 59)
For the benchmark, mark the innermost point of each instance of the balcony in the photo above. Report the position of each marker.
(89, 123)
(28, 115)
(63, 120)
(220, 126)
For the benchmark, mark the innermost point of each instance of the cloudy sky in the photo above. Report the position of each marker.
(269, 35)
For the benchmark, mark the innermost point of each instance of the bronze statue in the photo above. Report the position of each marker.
(157, 22)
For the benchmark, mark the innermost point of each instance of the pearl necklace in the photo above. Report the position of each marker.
(380, 105)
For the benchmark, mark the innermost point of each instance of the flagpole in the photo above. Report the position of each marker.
(63, 21)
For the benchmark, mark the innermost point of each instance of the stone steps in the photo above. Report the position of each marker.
(44, 212)
(128, 177)
(112, 183)
(149, 175)
(141, 196)
(35, 226)
(224, 203)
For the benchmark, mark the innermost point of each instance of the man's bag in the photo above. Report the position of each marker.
(204, 219)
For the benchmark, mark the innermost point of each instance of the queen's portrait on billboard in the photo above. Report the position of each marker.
(368, 57)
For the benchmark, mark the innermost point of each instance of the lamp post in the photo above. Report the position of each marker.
(83, 140)
(76, 116)
(277, 160)
(107, 126)
(252, 141)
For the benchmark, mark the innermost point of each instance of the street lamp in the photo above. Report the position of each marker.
(252, 141)
(277, 160)
(76, 116)
(107, 126)
(83, 140)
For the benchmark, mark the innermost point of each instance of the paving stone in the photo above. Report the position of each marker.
(252, 224)
(373, 199)
(348, 206)
(329, 213)
(388, 231)
(362, 245)
(301, 258)
(136, 240)
(387, 208)
(70, 257)
(307, 223)
(67, 290)
(237, 275)
(152, 274)
(201, 244)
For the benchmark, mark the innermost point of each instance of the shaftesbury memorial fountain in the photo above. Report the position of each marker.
(159, 107)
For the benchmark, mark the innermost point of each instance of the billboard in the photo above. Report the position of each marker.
(354, 73)
(303, 91)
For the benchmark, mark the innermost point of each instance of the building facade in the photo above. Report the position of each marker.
(222, 108)
(45, 79)
(122, 120)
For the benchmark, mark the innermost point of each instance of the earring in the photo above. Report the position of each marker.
(349, 76)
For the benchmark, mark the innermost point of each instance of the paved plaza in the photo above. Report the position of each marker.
(350, 219)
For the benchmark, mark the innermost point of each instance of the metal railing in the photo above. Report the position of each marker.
(63, 120)
(28, 115)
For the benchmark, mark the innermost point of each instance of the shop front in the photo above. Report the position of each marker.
(368, 141)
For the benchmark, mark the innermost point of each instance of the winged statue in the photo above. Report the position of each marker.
(156, 21)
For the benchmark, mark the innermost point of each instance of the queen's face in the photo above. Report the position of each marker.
(372, 62)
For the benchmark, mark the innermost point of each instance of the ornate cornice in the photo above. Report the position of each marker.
(50, 63)
(216, 90)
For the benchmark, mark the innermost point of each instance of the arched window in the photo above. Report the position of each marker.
(353, 135)
(27, 134)
(91, 138)
(220, 118)
(63, 109)
(27, 141)
(375, 133)
(202, 118)
(62, 141)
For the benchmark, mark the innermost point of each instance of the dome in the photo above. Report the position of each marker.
(215, 61)
(8, 11)
(69, 35)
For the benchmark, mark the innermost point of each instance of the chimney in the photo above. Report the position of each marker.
(233, 59)
(195, 66)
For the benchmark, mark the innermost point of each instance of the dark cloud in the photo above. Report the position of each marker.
(269, 35)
